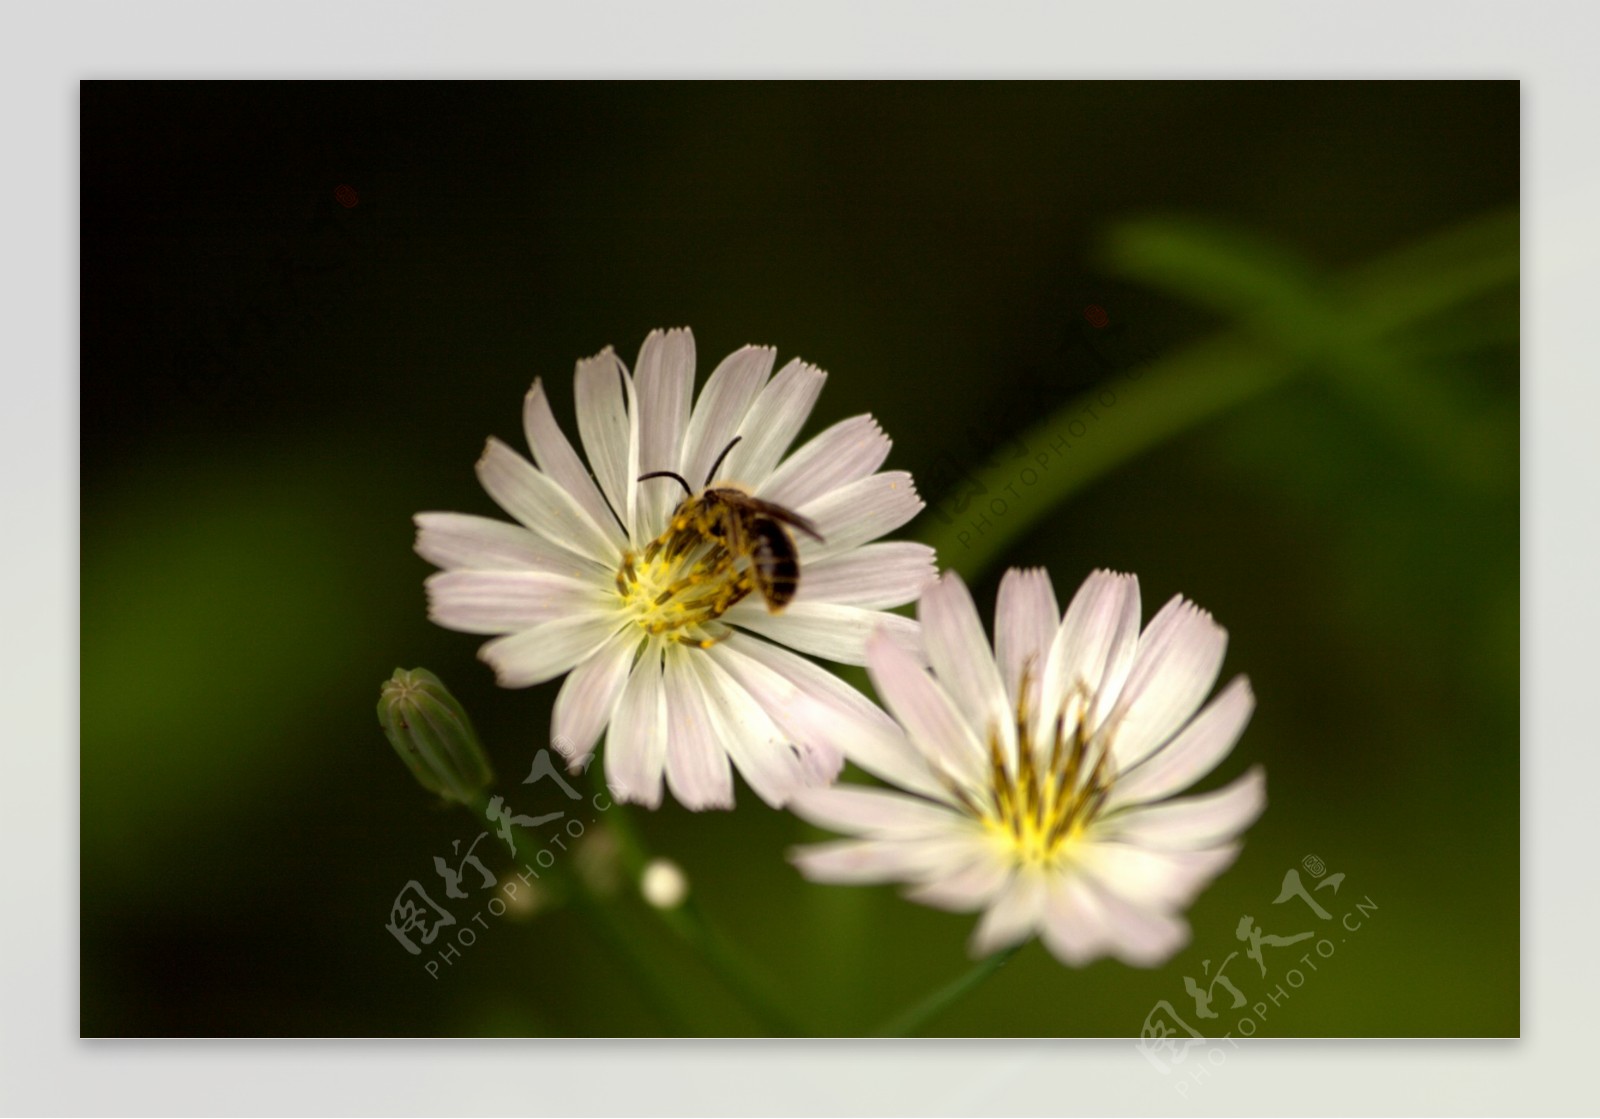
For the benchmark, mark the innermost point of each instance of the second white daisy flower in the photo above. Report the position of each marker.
(667, 645)
(1037, 775)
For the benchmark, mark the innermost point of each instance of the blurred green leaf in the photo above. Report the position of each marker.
(1291, 323)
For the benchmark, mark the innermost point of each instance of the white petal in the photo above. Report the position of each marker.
(663, 380)
(822, 629)
(867, 861)
(1143, 937)
(848, 450)
(972, 887)
(1149, 879)
(589, 695)
(535, 499)
(1093, 648)
(874, 576)
(857, 513)
(962, 660)
(1179, 657)
(878, 813)
(1014, 915)
(1195, 822)
(1193, 753)
(462, 541)
(824, 714)
(1083, 922)
(555, 456)
(1075, 927)
(925, 709)
(761, 752)
(772, 423)
(727, 396)
(636, 746)
(697, 765)
(1026, 619)
(548, 649)
(608, 424)
(505, 601)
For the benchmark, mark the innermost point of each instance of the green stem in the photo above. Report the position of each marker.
(689, 923)
(652, 988)
(909, 1021)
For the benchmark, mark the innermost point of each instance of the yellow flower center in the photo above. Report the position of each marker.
(681, 583)
(1040, 806)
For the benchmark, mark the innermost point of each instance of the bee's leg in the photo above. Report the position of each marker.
(715, 632)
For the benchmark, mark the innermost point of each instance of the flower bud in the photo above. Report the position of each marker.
(430, 731)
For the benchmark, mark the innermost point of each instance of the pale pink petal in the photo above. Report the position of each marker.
(877, 813)
(697, 765)
(1148, 879)
(823, 629)
(867, 861)
(555, 456)
(608, 424)
(974, 886)
(926, 710)
(723, 403)
(1141, 937)
(535, 499)
(636, 745)
(963, 662)
(857, 513)
(547, 650)
(1093, 648)
(1015, 913)
(1195, 822)
(762, 753)
(823, 713)
(772, 423)
(506, 601)
(663, 379)
(1075, 927)
(464, 542)
(1195, 752)
(589, 695)
(848, 450)
(874, 576)
(1085, 921)
(1178, 660)
(1026, 619)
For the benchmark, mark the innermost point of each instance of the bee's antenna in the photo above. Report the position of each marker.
(673, 474)
(712, 473)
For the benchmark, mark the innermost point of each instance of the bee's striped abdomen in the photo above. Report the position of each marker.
(774, 562)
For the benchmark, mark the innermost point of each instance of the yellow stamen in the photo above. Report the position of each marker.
(1042, 802)
(681, 583)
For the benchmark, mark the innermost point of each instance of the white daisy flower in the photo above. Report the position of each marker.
(1037, 776)
(659, 617)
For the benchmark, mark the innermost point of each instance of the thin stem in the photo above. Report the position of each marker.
(688, 921)
(652, 988)
(906, 1023)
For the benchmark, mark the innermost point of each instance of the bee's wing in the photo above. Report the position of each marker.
(785, 516)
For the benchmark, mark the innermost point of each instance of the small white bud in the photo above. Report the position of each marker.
(663, 884)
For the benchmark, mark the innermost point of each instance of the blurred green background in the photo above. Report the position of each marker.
(305, 306)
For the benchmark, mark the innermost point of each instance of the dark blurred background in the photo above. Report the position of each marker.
(305, 306)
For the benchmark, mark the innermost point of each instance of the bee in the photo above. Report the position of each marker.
(744, 526)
